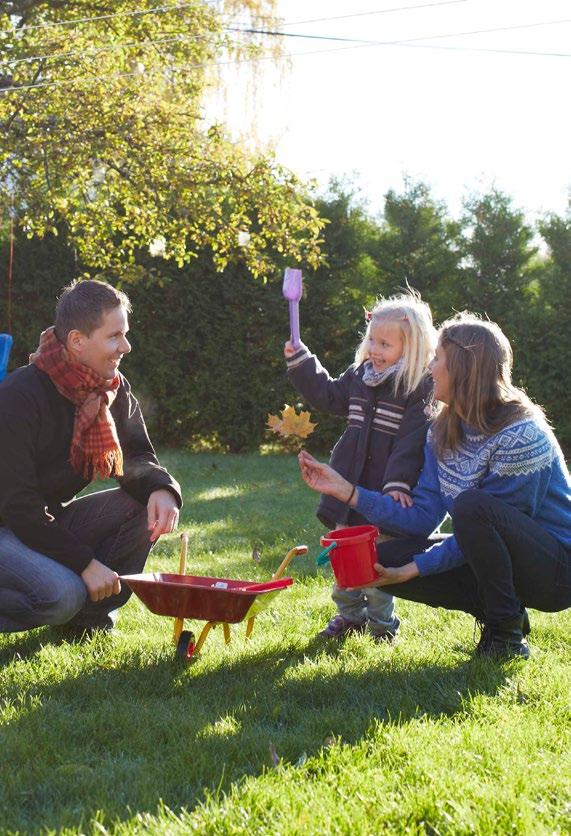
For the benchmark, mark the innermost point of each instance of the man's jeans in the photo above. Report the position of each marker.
(36, 590)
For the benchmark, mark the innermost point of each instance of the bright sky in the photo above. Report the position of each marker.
(458, 117)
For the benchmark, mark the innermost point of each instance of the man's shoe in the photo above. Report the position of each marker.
(389, 634)
(504, 639)
(339, 627)
(80, 632)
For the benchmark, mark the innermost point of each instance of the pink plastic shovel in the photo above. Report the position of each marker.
(292, 292)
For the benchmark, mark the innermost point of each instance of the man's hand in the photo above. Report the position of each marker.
(162, 514)
(404, 499)
(393, 574)
(101, 582)
(289, 350)
(321, 477)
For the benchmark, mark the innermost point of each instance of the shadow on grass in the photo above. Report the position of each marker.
(133, 730)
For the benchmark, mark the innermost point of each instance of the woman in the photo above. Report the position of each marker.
(493, 464)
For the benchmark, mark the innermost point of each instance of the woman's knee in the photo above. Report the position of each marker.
(469, 507)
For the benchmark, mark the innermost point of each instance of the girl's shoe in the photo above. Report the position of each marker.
(339, 627)
(389, 634)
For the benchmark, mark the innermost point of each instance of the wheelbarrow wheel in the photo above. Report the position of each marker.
(186, 646)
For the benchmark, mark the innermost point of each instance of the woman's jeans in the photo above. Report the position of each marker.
(36, 590)
(511, 562)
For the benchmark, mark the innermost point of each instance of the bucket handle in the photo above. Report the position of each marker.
(323, 557)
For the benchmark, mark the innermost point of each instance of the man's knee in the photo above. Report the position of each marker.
(131, 507)
(57, 604)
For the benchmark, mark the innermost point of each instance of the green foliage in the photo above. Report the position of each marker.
(208, 346)
(419, 246)
(544, 346)
(207, 354)
(103, 133)
(498, 253)
(113, 737)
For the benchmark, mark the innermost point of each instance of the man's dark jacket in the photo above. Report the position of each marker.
(36, 478)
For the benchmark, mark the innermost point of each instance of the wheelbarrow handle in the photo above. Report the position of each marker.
(183, 551)
(323, 557)
(179, 622)
(277, 574)
(287, 559)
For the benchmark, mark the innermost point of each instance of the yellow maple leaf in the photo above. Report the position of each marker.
(274, 423)
(291, 423)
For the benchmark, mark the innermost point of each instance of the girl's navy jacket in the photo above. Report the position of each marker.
(382, 446)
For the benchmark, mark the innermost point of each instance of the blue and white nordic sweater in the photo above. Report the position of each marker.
(522, 464)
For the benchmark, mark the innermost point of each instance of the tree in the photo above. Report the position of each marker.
(418, 246)
(103, 132)
(546, 350)
(499, 255)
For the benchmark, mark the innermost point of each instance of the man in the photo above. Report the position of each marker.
(66, 419)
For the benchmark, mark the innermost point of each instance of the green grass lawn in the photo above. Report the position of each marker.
(281, 734)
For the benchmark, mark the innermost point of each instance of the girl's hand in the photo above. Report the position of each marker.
(404, 499)
(289, 350)
(322, 478)
(393, 574)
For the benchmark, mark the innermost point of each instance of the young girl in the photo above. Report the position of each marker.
(383, 395)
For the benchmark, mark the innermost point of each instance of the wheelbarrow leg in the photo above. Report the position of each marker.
(226, 628)
(205, 631)
(277, 574)
(179, 622)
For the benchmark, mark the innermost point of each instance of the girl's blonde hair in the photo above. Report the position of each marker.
(414, 318)
(479, 363)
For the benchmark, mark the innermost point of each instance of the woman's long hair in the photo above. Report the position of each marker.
(414, 319)
(481, 393)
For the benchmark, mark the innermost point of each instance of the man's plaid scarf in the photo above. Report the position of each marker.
(95, 449)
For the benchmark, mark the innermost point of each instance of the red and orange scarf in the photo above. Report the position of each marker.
(95, 449)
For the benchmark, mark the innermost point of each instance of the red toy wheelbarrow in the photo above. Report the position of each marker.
(214, 600)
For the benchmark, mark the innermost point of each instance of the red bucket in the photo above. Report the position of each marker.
(353, 557)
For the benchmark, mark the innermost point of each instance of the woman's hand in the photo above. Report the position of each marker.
(289, 350)
(322, 478)
(393, 574)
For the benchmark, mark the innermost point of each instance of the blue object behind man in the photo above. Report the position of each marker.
(6, 341)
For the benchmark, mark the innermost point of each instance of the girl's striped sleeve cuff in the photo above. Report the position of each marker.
(396, 486)
(300, 356)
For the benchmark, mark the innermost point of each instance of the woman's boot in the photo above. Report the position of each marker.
(504, 638)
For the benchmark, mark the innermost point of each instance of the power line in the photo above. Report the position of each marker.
(98, 49)
(403, 40)
(361, 41)
(74, 21)
(29, 59)
(356, 44)
(170, 8)
(376, 12)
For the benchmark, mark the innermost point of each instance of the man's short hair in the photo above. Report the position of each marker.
(83, 304)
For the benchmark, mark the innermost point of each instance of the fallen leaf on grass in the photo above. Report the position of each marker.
(274, 755)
